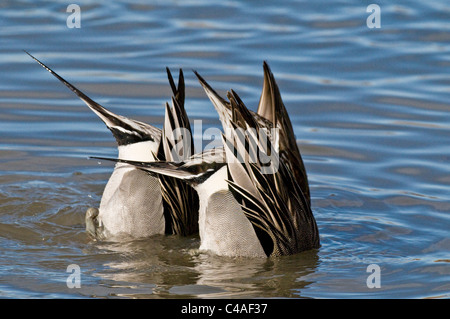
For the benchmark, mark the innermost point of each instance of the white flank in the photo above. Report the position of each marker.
(141, 151)
(223, 227)
(131, 204)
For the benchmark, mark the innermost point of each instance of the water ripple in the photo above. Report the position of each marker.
(369, 108)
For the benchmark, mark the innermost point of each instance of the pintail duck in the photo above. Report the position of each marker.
(271, 113)
(244, 212)
(134, 203)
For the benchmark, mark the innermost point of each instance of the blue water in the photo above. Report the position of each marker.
(369, 108)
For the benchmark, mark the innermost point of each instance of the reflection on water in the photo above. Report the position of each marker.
(369, 108)
(168, 269)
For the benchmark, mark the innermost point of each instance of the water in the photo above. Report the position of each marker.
(369, 108)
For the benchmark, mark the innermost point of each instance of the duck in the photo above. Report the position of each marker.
(135, 204)
(245, 211)
(271, 116)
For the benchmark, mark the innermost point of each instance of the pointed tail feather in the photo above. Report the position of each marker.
(178, 91)
(272, 108)
(126, 131)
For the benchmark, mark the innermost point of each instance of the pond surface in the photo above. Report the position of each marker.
(370, 109)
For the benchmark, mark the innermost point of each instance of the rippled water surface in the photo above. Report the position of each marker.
(370, 109)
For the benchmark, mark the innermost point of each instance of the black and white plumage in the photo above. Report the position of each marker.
(177, 144)
(271, 114)
(240, 209)
(223, 227)
(274, 202)
(126, 131)
(134, 203)
(243, 211)
(277, 202)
